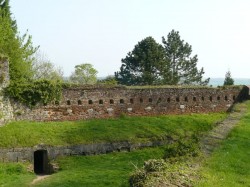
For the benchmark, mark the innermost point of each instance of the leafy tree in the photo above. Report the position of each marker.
(19, 49)
(143, 65)
(84, 74)
(109, 80)
(151, 63)
(183, 67)
(228, 79)
(42, 68)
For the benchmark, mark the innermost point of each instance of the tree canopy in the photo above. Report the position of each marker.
(182, 66)
(17, 48)
(228, 79)
(151, 63)
(143, 65)
(84, 74)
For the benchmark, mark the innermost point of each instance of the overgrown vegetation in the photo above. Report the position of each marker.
(36, 92)
(18, 49)
(174, 167)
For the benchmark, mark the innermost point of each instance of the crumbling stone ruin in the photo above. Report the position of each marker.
(86, 102)
(104, 102)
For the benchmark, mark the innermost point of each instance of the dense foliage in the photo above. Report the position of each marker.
(144, 65)
(182, 67)
(20, 53)
(37, 92)
(19, 49)
(228, 79)
(150, 63)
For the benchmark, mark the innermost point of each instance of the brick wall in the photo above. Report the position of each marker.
(102, 102)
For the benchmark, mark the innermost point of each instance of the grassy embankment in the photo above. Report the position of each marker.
(229, 165)
(132, 129)
(109, 170)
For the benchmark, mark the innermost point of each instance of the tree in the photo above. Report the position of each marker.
(17, 48)
(151, 63)
(143, 65)
(183, 67)
(84, 74)
(42, 68)
(109, 80)
(228, 79)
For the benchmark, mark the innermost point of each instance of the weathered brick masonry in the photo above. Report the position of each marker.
(86, 102)
(103, 102)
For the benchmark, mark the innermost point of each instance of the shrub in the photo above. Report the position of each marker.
(41, 91)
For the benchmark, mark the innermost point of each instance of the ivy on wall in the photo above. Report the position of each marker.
(37, 92)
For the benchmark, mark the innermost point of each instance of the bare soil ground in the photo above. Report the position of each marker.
(39, 178)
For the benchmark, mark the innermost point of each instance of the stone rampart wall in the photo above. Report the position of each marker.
(27, 154)
(6, 109)
(101, 102)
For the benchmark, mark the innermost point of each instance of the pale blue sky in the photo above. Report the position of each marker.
(102, 32)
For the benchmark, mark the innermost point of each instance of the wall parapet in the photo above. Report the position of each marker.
(88, 102)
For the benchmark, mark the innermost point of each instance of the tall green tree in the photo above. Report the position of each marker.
(142, 66)
(84, 74)
(183, 67)
(228, 79)
(19, 49)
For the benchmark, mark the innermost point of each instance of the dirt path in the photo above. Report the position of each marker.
(213, 139)
(39, 178)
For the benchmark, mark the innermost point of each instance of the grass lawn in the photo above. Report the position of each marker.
(229, 165)
(101, 170)
(15, 174)
(133, 129)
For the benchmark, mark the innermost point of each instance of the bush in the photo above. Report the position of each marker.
(138, 178)
(183, 148)
(41, 91)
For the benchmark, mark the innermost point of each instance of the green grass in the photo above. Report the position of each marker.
(101, 170)
(15, 174)
(108, 170)
(229, 165)
(132, 129)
